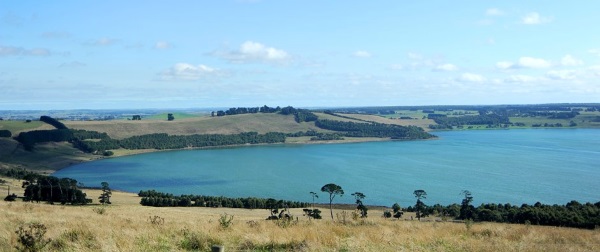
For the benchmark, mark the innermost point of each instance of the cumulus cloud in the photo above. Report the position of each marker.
(471, 77)
(362, 54)
(534, 18)
(102, 42)
(397, 67)
(529, 62)
(162, 45)
(251, 51)
(19, 51)
(595, 51)
(569, 60)
(445, 67)
(186, 71)
(524, 62)
(519, 78)
(494, 12)
(595, 70)
(505, 65)
(562, 74)
(415, 56)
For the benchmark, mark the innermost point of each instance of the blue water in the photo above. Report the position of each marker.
(552, 166)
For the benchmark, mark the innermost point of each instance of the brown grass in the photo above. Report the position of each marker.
(127, 226)
(261, 123)
(423, 123)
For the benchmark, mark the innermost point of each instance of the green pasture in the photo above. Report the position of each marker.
(584, 120)
(163, 116)
(18, 126)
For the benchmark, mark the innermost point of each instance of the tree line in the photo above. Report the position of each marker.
(49, 188)
(485, 119)
(300, 115)
(352, 129)
(164, 141)
(573, 214)
(159, 199)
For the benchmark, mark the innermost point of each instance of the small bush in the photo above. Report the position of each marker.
(196, 241)
(11, 197)
(99, 210)
(226, 220)
(286, 222)
(108, 153)
(468, 224)
(253, 224)
(156, 220)
(31, 237)
(387, 214)
(342, 217)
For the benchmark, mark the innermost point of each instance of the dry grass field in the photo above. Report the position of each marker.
(261, 123)
(423, 123)
(127, 226)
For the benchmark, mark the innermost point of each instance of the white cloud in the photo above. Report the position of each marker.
(19, 51)
(397, 67)
(595, 70)
(415, 56)
(251, 51)
(524, 62)
(520, 78)
(569, 60)
(445, 67)
(505, 65)
(186, 71)
(162, 45)
(471, 77)
(595, 51)
(101, 42)
(534, 18)
(494, 12)
(562, 74)
(529, 62)
(362, 54)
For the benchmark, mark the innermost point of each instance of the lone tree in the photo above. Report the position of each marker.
(105, 196)
(466, 210)
(397, 211)
(420, 194)
(359, 204)
(314, 195)
(333, 190)
(170, 117)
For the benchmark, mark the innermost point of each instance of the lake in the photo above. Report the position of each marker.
(552, 166)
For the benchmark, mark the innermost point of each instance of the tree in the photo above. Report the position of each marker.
(106, 192)
(420, 194)
(333, 190)
(170, 117)
(314, 195)
(359, 204)
(466, 209)
(397, 211)
(273, 207)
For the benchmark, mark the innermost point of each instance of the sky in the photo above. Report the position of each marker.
(233, 53)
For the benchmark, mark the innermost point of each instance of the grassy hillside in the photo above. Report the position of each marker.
(127, 226)
(261, 123)
(18, 126)
(423, 123)
(163, 116)
(47, 157)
